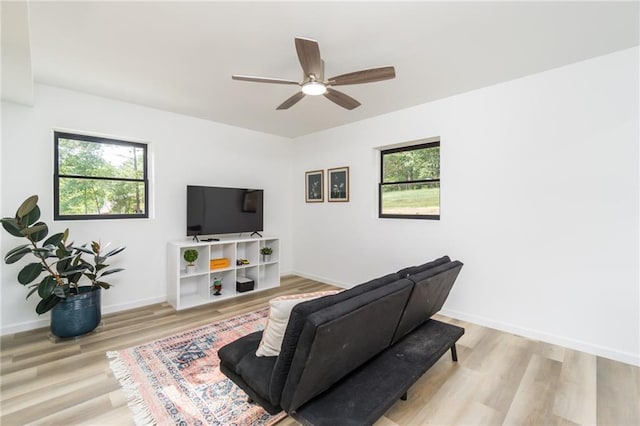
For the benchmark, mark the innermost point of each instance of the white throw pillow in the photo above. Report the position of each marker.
(279, 313)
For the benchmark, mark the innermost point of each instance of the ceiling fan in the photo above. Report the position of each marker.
(313, 81)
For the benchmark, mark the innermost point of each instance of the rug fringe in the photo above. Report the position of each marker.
(141, 414)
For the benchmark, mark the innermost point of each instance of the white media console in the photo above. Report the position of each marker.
(189, 289)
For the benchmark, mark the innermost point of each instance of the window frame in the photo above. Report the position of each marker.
(57, 135)
(382, 183)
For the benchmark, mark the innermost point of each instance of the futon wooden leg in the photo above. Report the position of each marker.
(404, 396)
(454, 354)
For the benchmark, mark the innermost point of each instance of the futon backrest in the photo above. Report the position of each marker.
(339, 338)
(430, 291)
(296, 322)
(413, 270)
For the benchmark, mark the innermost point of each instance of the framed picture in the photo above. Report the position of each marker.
(338, 181)
(314, 186)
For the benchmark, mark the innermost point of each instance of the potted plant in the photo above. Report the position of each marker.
(75, 309)
(190, 256)
(266, 253)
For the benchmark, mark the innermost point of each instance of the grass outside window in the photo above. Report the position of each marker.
(410, 182)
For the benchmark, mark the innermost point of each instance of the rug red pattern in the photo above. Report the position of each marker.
(177, 379)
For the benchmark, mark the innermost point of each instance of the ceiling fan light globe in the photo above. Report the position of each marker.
(314, 88)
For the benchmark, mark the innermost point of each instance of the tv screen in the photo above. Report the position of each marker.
(214, 210)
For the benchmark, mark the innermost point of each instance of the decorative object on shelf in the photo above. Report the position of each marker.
(314, 186)
(219, 263)
(241, 262)
(75, 309)
(190, 256)
(338, 180)
(244, 284)
(217, 286)
(266, 253)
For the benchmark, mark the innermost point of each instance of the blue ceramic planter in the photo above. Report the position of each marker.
(78, 314)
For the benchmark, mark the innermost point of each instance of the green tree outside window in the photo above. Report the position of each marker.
(99, 178)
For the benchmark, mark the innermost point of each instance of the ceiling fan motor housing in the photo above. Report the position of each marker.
(313, 80)
(312, 77)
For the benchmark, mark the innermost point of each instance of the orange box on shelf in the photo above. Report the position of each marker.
(219, 263)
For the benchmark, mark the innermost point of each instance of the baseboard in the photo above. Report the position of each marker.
(25, 326)
(590, 348)
(108, 309)
(323, 280)
(626, 357)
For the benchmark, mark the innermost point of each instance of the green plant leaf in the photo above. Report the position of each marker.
(63, 262)
(62, 265)
(46, 287)
(95, 246)
(112, 271)
(26, 207)
(42, 233)
(74, 278)
(33, 290)
(73, 270)
(20, 248)
(103, 284)
(34, 229)
(62, 253)
(43, 252)
(83, 249)
(16, 254)
(59, 291)
(88, 265)
(30, 273)
(47, 304)
(54, 240)
(12, 226)
(119, 249)
(32, 217)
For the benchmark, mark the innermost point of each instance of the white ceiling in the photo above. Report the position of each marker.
(179, 56)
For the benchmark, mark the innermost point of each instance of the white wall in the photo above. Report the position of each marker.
(539, 200)
(183, 151)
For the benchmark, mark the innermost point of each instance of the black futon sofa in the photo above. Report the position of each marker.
(347, 358)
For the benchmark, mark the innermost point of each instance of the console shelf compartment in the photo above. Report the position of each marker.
(194, 289)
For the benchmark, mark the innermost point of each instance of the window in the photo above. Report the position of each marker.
(410, 182)
(99, 178)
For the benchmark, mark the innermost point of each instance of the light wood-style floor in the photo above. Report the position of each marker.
(500, 378)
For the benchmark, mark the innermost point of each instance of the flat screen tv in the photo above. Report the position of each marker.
(214, 210)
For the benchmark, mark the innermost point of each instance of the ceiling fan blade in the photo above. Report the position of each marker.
(309, 56)
(291, 101)
(263, 79)
(345, 101)
(364, 76)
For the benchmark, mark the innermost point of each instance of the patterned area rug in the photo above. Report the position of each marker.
(176, 380)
